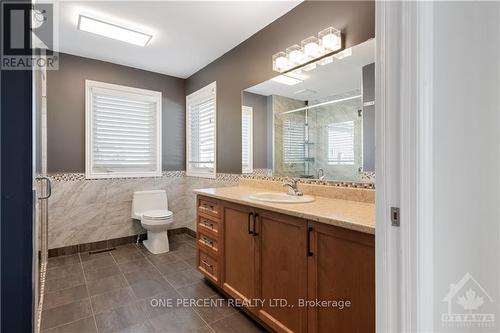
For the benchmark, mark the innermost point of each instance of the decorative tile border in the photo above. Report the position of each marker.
(260, 174)
(368, 176)
(366, 185)
(67, 177)
(81, 176)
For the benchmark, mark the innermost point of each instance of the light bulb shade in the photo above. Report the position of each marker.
(295, 55)
(312, 48)
(330, 39)
(280, 62)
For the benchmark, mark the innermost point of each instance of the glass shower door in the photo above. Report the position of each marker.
(41, 194)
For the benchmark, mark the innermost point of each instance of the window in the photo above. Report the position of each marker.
(247, 139)
(341, 143)
(123, 131)
(294, 136)
(201, 132)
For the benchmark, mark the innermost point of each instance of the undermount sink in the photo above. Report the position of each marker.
(278, 197)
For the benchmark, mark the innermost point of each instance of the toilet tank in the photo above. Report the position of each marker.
(148, 200)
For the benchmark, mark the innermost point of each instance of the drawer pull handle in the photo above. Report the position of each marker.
(204, 262)
(254, 231)
(309, 252)
(208, 241)
(207, 206)
(250, 216)
(208, 224)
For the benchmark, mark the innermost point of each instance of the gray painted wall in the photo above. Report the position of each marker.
(260, 127)
(250, 62)
(66, 110)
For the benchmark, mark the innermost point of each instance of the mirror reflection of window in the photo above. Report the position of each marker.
(247, 139)
(341, 143)
(293, 141)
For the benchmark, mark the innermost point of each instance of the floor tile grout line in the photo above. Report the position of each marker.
(123, 274)
(62, 289)
(88, 293)
(177, 291)
(68, 323)
(88, 296)
(224, 317)
(209, 325)
(137, 299)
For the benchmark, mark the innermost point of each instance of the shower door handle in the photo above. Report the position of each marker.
(48, 191)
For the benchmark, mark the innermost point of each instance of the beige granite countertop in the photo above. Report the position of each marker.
(354, 215)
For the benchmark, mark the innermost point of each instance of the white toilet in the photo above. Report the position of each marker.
(151, 207)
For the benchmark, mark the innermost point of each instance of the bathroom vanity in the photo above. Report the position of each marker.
(293, 265)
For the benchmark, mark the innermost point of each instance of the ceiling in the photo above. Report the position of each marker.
(187, 35)
(338, 77)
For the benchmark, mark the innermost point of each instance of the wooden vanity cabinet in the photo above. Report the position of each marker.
(270, 256)
(281, 254)
(341, 266)
(238, 263)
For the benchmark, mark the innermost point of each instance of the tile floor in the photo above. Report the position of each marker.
(114, 292)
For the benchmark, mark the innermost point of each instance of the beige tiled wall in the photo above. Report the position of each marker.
(83, 211)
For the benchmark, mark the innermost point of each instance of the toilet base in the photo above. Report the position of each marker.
(157, 242)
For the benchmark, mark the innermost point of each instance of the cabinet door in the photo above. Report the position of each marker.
(238, 271)
(282, 270)
(341, 267)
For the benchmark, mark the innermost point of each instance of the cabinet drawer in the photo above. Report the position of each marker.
(208, 206)
(208, 266)
(208, 243)
(208, 225)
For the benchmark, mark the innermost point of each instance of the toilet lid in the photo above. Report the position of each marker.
(157, 214)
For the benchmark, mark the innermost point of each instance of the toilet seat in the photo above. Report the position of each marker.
(158, 214)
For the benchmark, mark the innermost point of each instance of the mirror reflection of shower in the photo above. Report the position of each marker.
(323, 119)
(321, 139)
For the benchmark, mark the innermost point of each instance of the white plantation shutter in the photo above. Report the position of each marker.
(247, 139)
(341, 143)
(294, 136)
(201, 132)
(123, 131)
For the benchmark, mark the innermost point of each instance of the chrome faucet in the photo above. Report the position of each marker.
(291, 185)
(322, 172)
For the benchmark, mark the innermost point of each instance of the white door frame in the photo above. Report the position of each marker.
(404, 64)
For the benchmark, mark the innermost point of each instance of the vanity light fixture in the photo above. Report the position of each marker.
(328, 41)
(112, 30)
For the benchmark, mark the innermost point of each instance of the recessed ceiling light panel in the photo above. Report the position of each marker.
(112, 30)
(284, 79)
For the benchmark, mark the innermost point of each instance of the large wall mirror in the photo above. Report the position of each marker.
(321, 117)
